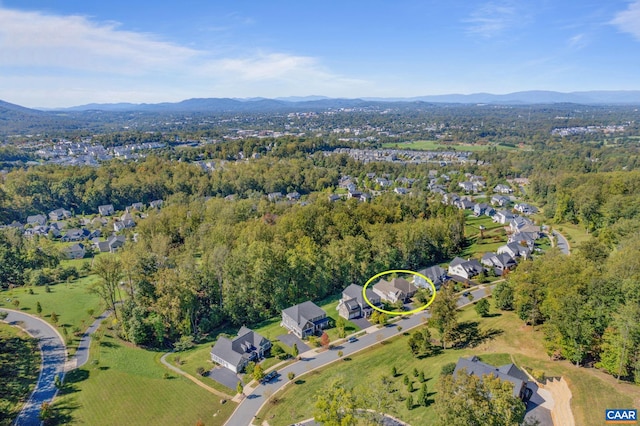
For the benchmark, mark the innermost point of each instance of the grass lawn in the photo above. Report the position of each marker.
(20, 364)
(437, 146)
(574, 233)
(513, 338)
(199, 356)
(128, 386)
(70, 302)
(494, 236)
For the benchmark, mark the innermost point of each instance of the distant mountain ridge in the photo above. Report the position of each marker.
(282, 103)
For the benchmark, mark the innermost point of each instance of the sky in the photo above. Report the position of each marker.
(66, 53)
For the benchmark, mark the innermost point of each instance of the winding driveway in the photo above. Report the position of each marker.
(54, 355)
(562, 243)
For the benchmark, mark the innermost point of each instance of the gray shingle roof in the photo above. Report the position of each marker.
(508, 372)
(304, 312)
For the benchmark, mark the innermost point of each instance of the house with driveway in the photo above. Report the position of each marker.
(236, 353)
(353, 305)
(508, 373)
(304, 319)
(394, 290)
(436, 274)
(465, 268)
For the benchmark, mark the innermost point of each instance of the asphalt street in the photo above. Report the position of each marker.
(53, 358)
(562, 242)
(311, 360)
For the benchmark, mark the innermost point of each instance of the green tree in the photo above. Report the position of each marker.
(444, 314)
(503, 296)
(38, 308)
(423, 396)
(470, 400)
(239, 388)
(409, 402)
(54, 317)
(335, 405)
(258, 373)
(482, 307)
(295, 351)
(109, 269)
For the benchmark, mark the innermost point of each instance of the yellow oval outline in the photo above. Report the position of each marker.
(403, 271)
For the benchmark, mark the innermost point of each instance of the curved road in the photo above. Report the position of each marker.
(562, 242)
(310, 360)
(54, 354)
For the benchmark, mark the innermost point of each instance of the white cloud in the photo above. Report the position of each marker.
(493, 18)
(53, 60)
(628, 21)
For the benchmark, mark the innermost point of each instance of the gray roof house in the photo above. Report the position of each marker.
(500, 262)
(235, 354)
(515, 250)
(436, 274)
(59, 214)
(394, 290)
(106, 210)
(465, 268)
(111, 244)
(156, 204)
(304, 319)
(76, 251)
(503, 217)
(353, 305)
(509, 373)
(37, 219)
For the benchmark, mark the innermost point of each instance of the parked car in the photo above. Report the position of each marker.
(352, 339)
(269, 377)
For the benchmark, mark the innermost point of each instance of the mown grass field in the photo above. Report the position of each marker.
(70, 301)
(20, 366)
(129, 386)
(438, 146)
(494, 236)
(592, 390)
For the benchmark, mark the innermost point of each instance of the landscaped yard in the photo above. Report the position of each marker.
(70, 301)
(494, 236)
(525, 343)
(130, 386)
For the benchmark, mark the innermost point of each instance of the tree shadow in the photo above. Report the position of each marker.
(63, 412)
(469, 335)
(103, 368)
(71, 379)
(25, 309)
(109, 344)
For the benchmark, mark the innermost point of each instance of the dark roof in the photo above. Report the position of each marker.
(508, 372)
(243, 345)
(354, 291)
(303, 312)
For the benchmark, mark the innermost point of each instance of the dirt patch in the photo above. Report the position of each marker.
(561, 412)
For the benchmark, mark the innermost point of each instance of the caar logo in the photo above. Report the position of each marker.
(621, 416)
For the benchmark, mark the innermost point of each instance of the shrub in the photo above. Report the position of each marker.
(291, 375)
(201, 371)
(448, 369)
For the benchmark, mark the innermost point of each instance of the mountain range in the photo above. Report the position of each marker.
(314, 102)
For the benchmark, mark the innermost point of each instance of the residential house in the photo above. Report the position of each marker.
(465, 268)
(135, 207)
(383, 182)
(38, 219)
(293, 196)
(274, 196)
(518, 223)
(304, 319)
(106, 210)
(394, 290)
(480, 209)
(401, 191)
(126, 221)
(524, 239)
(503, 189)
(76, 251)
(111, 244)
(466, 186)
(509, 373)
(499, 262)
(436, 274)
(464, 203)
(333, 197)
(98, 222)
(500, 200)
(76, 235)
(236, 353)
(503, 217)
(365, 197)
(59, 214)
(354, 194)
(156, 204)
(525, 208)
(450, 198)
(515, 250)
(353, 305)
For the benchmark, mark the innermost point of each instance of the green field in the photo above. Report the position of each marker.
(70, 302)
(494, 236)
(438, 146)
(129, 386)
(525, 343)
(20, 364)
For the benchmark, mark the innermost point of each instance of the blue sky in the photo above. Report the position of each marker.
(75, 52)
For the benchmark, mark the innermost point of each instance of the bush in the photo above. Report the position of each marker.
(201, 371)
(447, 369)
(538, 375)
(291, 375)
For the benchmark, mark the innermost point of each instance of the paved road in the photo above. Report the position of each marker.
(562, 242)
(250, 406)
(82, 354)
(53, 352)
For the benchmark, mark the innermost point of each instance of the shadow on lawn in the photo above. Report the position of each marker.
(72, 378)
(63, 412)
(469, 335)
